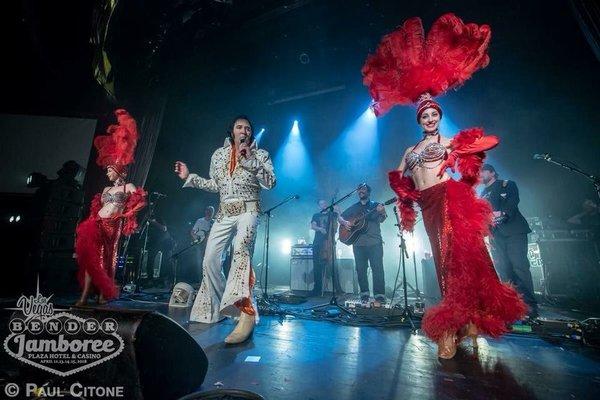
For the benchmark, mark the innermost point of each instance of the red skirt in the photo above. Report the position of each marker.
(456, 222)
(96, 248)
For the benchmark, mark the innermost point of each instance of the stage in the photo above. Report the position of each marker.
(293, 358)
(300, 145)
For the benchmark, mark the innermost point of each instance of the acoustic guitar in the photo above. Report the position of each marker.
(358, 225)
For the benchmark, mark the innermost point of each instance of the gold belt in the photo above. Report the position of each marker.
(237, 207)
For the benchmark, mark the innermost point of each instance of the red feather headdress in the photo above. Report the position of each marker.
(409, 68)
(117, 147)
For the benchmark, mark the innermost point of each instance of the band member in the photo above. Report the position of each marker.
(238, 171)
(588, 218)
(410, 68)
(202, 226)
(509, 235)
(324, 223)
(112, 213)
(368, 247)
(199, 234)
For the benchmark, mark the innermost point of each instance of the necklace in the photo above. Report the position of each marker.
(434, 133)
(119, 182)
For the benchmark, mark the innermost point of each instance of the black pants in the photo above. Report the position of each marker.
(510, 259)
(365, 256)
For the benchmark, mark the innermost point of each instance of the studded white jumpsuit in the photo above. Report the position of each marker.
(236, 221)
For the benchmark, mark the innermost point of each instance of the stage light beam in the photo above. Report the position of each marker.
(293, 163)
(259, 135)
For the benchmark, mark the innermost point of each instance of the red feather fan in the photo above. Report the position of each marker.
(407, 64)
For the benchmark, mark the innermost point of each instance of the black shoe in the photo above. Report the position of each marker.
(533, 313)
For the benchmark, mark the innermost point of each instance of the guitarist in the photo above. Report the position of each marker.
(368, 247)
(509, 235)
(322, 244)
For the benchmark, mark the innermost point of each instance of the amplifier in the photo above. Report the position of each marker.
(301, 274)
(302, 251)
(570, 267)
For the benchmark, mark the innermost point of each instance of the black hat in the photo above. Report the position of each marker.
(489, 167)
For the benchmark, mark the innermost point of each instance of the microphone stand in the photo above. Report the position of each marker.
(134, 274)
(594, 179)
(264, 301)
(407, 313)
(333, 302)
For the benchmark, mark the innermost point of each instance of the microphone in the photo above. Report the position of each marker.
(243, 152)
(545, 156)
(159, 195)
(296, 196)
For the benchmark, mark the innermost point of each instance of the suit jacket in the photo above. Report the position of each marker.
(504, 196)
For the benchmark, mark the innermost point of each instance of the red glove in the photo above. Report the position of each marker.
(468, 141)
(449, 162)
(403, 186)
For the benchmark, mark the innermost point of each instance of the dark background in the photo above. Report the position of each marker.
(539, 93)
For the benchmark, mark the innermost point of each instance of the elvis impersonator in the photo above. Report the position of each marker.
(238, 171)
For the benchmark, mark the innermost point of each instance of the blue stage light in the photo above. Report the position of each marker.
(295, 129)
(293, 163)
(356, 152)
(259, 135)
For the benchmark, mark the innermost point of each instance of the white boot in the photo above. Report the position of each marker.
(242, 330)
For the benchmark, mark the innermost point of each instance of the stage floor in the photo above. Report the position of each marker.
(291, 358)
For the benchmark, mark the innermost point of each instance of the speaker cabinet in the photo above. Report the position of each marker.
(301, 274)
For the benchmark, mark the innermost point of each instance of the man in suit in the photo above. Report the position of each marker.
(509, 235)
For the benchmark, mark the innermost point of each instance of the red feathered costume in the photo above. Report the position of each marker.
(98, 238)
(408, 68)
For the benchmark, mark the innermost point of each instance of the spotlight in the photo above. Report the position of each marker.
(413, 243)
(286, 246)
(11, 219)
(295, 129)
(259, 135)
(370, 113)
(304, 58)
(18, 218)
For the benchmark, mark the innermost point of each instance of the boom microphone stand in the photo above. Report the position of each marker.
(267, 214)
(175, 258)
(573, 168)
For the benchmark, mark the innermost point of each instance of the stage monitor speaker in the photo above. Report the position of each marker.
(159, 360)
